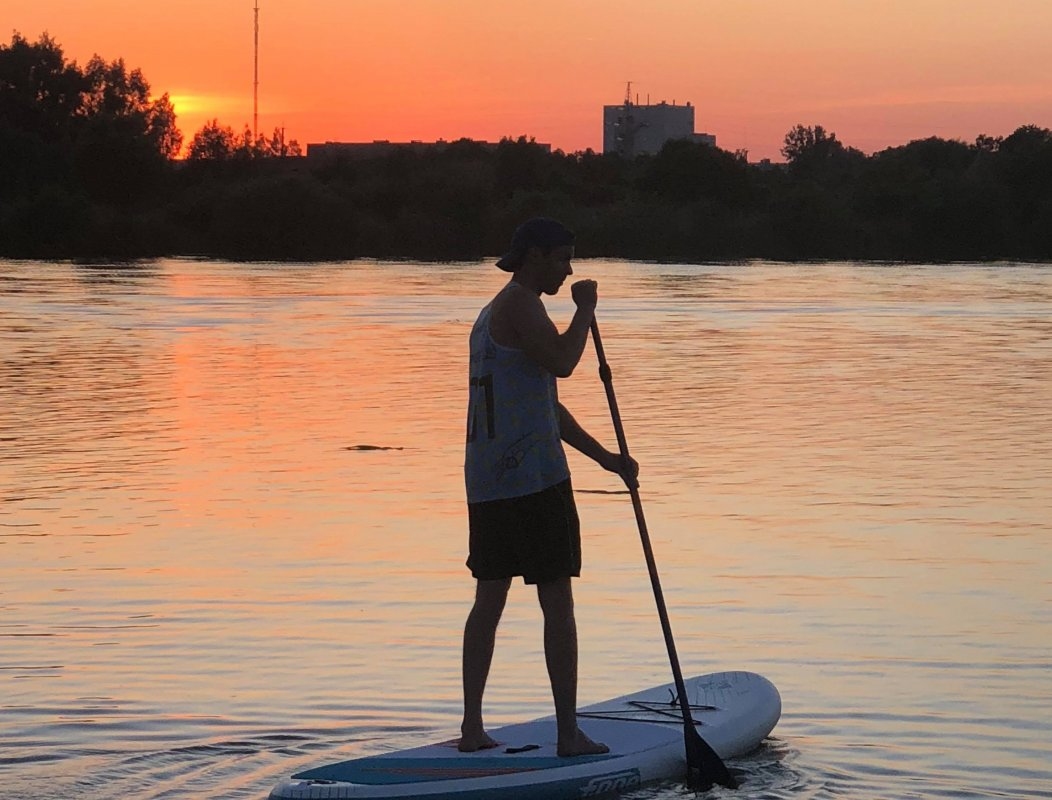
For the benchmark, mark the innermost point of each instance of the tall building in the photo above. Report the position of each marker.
(631, 129)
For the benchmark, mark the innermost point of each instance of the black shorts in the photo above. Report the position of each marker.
(537, 536)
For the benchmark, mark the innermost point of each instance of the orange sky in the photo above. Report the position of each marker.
(876, 72)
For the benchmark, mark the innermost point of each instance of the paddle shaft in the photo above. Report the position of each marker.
(700, 755)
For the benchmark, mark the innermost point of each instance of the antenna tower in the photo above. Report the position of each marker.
(255, 77)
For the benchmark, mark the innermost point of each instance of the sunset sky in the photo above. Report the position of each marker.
(878, 73)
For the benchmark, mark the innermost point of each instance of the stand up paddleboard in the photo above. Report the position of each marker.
(734, 711)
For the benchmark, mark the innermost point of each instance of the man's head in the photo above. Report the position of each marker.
(541, 234)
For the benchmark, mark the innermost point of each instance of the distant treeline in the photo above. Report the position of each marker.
(88, 170)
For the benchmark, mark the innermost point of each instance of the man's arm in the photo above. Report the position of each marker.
(571, 432)
(536, 334)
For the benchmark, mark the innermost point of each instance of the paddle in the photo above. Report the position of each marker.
(704, 766)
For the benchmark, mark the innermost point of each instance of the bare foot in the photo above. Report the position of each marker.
(581, 745)
(479, 740)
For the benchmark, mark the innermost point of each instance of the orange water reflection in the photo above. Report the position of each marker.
(234, 492)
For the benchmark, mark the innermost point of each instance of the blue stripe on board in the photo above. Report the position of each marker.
(383, 770)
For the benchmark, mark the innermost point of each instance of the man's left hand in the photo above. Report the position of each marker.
(627, 467)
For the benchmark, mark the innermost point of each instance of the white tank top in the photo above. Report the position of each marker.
(513, 442)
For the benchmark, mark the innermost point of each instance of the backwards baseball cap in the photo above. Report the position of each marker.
(541, 232)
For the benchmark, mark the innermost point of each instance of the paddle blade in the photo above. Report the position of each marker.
(704, 766)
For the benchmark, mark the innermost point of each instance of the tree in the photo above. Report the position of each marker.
(165, 137)
(687, 171)
(1024, 162)
(113, 91)
(41, 95)
(1027, 138)
(214, 142)
(987, 144)
(96, 130)
(119, 96)
(813, 153)
(278, 147)
(127, 137)
(520, 164)
(801, 142)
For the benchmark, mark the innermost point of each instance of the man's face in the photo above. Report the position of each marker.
(557, 268)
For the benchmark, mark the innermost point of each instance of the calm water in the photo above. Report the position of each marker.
(211, 577)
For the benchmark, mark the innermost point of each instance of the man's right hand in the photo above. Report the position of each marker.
(585, 294)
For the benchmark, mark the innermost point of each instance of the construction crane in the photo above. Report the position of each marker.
(627, 126)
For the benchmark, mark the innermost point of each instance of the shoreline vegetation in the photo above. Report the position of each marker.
(88, 170)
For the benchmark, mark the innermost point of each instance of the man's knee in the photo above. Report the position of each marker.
(490, 597)
(556, 598)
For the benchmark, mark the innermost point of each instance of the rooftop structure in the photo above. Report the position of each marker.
(631, 129)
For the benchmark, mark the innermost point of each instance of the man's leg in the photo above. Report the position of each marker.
(560, 653)
(480, 631)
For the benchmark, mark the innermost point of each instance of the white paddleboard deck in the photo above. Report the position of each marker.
(735, 712)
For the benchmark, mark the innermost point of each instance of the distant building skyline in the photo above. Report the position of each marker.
(329, 151)
(631, 129)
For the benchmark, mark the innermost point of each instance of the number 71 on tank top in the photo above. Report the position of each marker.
(481, 392)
